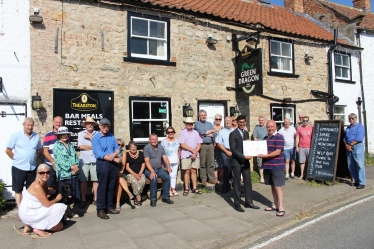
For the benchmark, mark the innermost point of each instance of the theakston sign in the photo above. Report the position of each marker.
(249, 71)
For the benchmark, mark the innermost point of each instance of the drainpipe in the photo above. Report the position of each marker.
(331, 79)
(362, 91)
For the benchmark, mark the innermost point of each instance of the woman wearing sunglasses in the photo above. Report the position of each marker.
(218, 161)
(36, 211)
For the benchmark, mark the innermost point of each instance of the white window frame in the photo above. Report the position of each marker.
(148, 38)
(282, 56)
(291, 117)
(166, 120)
(343, 115)
(342, 66)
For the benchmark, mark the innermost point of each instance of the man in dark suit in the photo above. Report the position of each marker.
(240, 165)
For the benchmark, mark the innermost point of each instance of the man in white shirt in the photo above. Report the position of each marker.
(289, 133)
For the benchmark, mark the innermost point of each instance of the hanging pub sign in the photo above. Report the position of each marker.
(249, 71)
(74, 106)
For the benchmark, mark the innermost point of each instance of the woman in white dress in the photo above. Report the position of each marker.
(36, 211)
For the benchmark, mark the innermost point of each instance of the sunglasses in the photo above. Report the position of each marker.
(120, 145)
(170, 132)
(351, 118)
(42, 173)
(305, 120)
(219, 119)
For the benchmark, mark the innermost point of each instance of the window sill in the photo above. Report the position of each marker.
(345, 81)
(288, 75)
(149, 61)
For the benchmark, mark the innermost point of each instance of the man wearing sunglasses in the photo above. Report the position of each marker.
(354, 136)
(22, 148)
(303, 141)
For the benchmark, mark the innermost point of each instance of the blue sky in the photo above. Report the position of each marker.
(343, 2)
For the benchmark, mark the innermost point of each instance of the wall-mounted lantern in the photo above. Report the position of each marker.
(36, 102)
(187, 111)
(36, 18)
(210, 40)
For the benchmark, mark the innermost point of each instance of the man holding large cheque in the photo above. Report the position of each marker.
(240, 165)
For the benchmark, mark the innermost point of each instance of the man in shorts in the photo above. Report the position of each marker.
(259, 132)
(190, 142)
(87, 159)
(288, 132)
(303, 141)
(22, 148)
(273, 165)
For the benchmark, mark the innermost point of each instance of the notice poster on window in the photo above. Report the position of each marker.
(255, 148)
(75, 105)
(249, 72)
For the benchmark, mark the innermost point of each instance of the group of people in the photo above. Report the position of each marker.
(205, 150)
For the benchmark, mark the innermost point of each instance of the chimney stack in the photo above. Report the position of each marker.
(362, 4)
(296, 5)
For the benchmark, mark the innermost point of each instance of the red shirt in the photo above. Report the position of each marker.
(305, 136)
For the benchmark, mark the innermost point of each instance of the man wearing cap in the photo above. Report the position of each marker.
(154, 157)
(106, 150)
(207, 133)
(190, 141)
(49, 139)
(87, 159)
(22, 149)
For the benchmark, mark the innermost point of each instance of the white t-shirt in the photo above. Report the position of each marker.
(289, 137)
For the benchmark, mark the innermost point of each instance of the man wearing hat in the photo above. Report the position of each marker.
(190, 141)
(87, 159)
(106, 150)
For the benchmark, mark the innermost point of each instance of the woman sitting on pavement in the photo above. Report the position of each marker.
(173, 152)
(66, 161)
(135, 168)
(36, 211)
(122, 184)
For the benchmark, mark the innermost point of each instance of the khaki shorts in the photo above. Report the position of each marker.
(87, 172)
(188, 163)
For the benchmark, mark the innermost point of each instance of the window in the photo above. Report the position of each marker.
(149, 115)
(281, 112)
(342, 66)
(281, 57)
(339, 113)
(148, 37)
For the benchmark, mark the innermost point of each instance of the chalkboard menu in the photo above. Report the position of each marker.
(324, 150)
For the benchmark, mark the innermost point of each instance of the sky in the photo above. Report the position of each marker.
(342, 2)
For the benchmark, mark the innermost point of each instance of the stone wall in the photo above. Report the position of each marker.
(202, 72)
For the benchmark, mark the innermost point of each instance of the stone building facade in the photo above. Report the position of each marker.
(67, 53)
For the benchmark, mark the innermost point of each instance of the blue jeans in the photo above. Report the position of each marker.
(356, 163)
(164, 175)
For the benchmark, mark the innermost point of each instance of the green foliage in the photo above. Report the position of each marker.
(369, 159)
(255, 177)
(2, 198)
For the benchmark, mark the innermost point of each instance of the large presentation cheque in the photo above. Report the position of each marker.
(254, 148)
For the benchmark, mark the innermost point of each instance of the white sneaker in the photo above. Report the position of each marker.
(292, 176)
(287, 176)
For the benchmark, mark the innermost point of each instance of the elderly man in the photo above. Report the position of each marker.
(22, 149)
(155, 158)
(303, 141)
(87, 159)
(273, 164)
(207, 133)
(223, 143)
(289, 133)
(106, 150)
(353, 140)
(49, 139)
(240, 165)
(298, 124)
(259, 132)
(190, 141)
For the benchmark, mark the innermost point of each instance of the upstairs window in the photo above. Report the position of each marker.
(342, 66)
(281, 57)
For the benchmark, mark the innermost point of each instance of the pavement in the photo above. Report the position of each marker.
(206, 221)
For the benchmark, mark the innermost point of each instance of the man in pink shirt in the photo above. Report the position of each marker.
(303, 140)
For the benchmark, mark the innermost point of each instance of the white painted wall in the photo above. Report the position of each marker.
(15, 50)
(367, 42)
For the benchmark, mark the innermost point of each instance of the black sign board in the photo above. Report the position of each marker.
(74, 106)
(324, 150)
(249, 72)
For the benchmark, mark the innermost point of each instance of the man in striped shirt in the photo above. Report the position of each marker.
(273, 165)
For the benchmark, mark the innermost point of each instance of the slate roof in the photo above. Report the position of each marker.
(250, 12)
(352, 13)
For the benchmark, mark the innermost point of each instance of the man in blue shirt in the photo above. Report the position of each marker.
(223, 143)
(353, 140)
(207, 133)
(22, 149)
(106, 150)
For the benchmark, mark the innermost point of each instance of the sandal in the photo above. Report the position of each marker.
(40, 234)
(281, 213)
(185, 192)
(271, 209)
(118, 208)
(196, 191)
(28, 232)
(82, 205)
(175, 193)
(131, 196)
